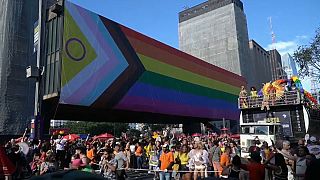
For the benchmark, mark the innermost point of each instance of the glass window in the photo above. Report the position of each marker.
(54, 35)
(261, 130)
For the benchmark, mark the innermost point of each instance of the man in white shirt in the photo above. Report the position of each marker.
(60, 143)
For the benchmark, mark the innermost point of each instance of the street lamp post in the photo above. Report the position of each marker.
(36, 73)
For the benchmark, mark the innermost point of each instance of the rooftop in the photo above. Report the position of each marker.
(206, 7)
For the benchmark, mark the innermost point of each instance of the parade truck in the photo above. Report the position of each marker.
(280, 110)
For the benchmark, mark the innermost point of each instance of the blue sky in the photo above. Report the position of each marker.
(294, 21)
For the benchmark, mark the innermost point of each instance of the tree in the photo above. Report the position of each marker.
(308, 57)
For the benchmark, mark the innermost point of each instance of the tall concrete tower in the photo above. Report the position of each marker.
(17, 19)
(216, 31)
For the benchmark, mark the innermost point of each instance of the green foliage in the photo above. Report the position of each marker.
(96, 128)
(308, 57)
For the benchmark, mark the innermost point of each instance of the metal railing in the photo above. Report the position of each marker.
(288, 98)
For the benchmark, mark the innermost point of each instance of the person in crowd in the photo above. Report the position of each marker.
(278, 165)
(60, 150)
(215, 154)
(154, 159)
(313, 147)
(254, 166)
(233, 149)
(301, 162)
(184, 159)
(108, 166)
(122, 162)
(166, 162)
(199, 159)
(49, 165)
(35, 164)
(225, 159)
(138, 155)
(234, 171)
(285, 151)
(127, 152)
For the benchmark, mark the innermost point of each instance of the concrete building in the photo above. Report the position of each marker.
(260, 59)
(17, 19)
(276, 65)
(288, 65)
(216, 31)
(17, 24)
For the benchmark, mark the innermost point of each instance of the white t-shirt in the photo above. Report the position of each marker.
(60, 144)
(132, 148)
(315, 150)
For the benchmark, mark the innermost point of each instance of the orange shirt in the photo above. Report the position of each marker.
(138, 151)
(166, 159)
(90, 154)
(224, 160)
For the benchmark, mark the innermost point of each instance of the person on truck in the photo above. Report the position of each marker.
(243, 97)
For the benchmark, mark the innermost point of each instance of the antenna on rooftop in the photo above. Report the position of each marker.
(273, 36)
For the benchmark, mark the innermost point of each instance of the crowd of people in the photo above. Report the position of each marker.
(183, 157)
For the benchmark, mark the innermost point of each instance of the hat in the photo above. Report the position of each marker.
(313, 139)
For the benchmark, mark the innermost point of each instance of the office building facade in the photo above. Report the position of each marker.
(216, 32)
(288, 65)
(276, 65)
(260, 59)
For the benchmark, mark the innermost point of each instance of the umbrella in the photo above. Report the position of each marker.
(196, 135)
(103, 136)
(235, 136)
(71, 137)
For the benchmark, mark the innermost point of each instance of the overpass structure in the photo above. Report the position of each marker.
(99, 70)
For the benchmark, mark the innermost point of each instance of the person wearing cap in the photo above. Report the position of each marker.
(166, 162)
(314, 148)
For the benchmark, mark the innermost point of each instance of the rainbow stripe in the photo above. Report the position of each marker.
(125, 70)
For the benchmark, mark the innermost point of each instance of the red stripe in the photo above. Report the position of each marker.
(184, 57)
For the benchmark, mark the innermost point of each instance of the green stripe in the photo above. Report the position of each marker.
(174, 72)
(170, 83)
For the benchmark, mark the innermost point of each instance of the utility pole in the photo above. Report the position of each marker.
(273, 36)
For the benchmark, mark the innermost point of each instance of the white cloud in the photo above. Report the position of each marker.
(287, 46)
(302, 37)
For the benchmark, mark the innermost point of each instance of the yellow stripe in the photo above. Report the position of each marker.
(174, 72)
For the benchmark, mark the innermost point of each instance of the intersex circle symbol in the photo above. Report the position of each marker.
(82, 45)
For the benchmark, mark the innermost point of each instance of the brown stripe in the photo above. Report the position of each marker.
(123, 83)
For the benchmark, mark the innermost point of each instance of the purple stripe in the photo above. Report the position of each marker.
(149, 105)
